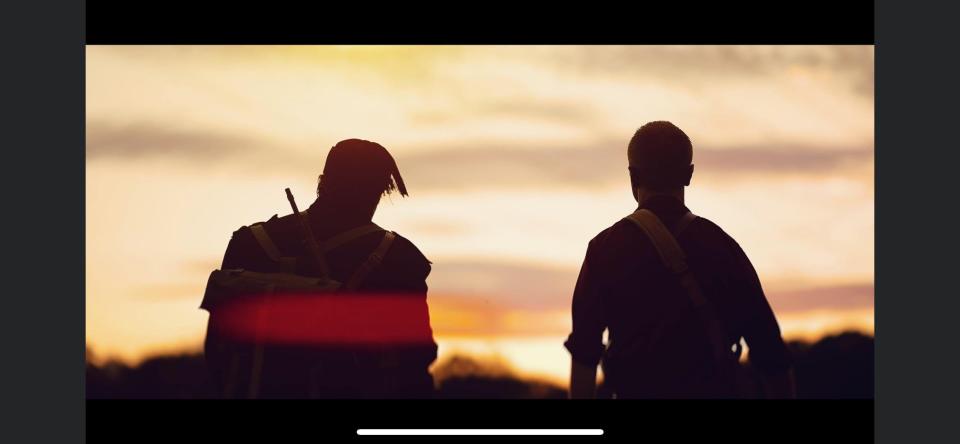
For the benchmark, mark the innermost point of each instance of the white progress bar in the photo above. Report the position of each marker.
(479, 432)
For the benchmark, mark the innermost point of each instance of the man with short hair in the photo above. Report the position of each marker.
(338, 360)
(663, 342)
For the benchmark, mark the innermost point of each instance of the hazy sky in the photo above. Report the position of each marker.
(515, 156)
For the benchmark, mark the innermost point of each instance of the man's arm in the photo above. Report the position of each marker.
(583, 380)
(768, 353)
(585, 343)
(404, 273)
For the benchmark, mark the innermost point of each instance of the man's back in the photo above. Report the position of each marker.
(341, 370)
(658, 346)
(404, 268)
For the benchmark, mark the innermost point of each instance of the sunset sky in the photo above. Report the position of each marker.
(514, 156)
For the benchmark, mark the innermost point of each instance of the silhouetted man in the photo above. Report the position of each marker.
(349, 344)
(675, 316)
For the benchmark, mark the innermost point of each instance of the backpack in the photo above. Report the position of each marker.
(225, 286)
(230, 284)
(725, 356)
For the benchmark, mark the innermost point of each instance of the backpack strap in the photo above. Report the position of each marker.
(375, 258)
(270, 248)
(672, 255)
(272, 252)
(319, 248)
(349, 235)
(683, 223)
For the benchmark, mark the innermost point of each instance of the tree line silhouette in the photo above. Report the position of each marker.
(834, 367)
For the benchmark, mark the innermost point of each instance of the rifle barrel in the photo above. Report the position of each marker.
(308, 235)
(293, 203)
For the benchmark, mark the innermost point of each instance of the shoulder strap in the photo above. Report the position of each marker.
(270, 248)
(375, 258)
(683, 223)
(319, 248)
(349, 235)
(667, 247)
(675, 260)
(260, 234)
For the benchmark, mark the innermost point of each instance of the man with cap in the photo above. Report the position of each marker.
(674, 331)
(365, 361)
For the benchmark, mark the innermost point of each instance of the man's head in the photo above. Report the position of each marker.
(357, 173)
(661, 159)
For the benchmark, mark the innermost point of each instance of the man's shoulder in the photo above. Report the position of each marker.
(280, 223)
(623, 230)
(407, 251)
(282, 230)
(710, 230)
(615, 233)
(279, 228)
(274, 223)
(403, 263)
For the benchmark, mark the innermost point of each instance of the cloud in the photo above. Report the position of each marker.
(560, 111)
(508, 108)
(851, 65)
(456, 165)
(483, 298)
(143, 140)
(240, 151)
(518, 286)
(533, 287)
(781, 159)
(441, 228)
(171, 291)
(837, 297)
(469, 166)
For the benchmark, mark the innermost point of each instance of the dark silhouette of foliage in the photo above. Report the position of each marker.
(835, 367)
